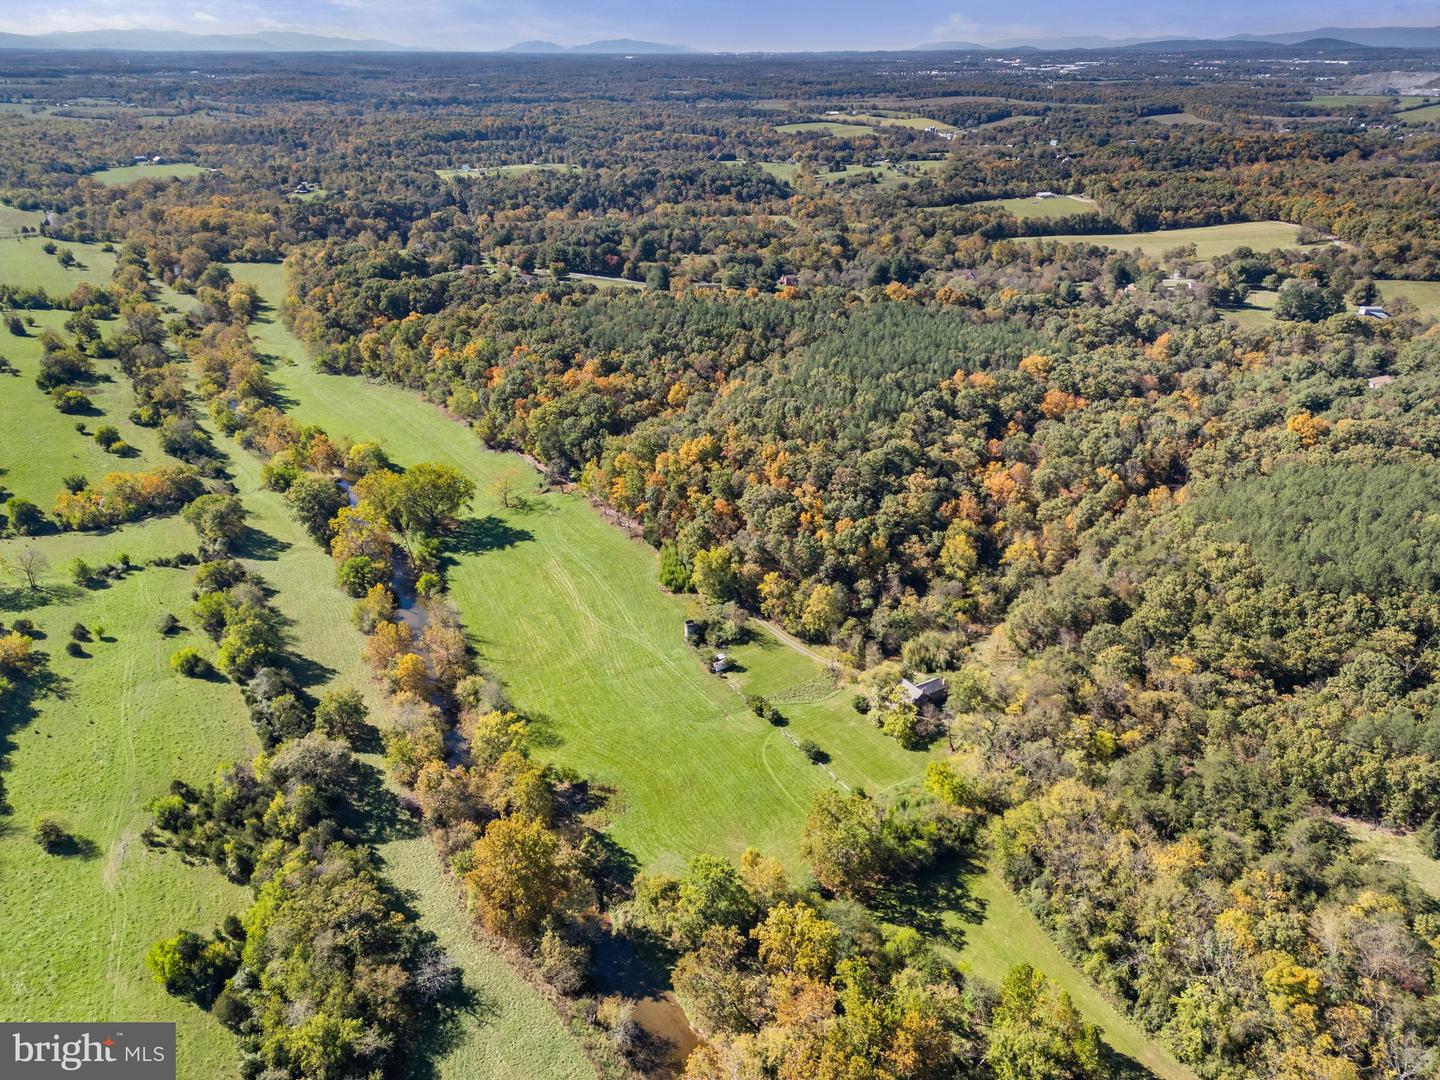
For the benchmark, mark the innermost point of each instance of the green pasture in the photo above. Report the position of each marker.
(1425, 295)
(74, 928)
(1427, 114)
(13, 219)
(39, 445)
(1209, 240)
(128, 174)
(23, 262)
(1027, 206)
(825, 127)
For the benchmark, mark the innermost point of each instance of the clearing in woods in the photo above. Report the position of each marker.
(565, 610)
(1209, 240)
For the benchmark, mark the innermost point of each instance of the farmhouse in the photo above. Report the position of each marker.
(923, 692)
(1379, 382)
(1371, 311)
(1046, 195)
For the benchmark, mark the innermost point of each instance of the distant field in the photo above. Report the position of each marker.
(1209, 240)
(825, 127)
(894, 173)
(1031, 207)
(505, 170)
(905, 120)
(24, 262)
(1428, 114)
(128, 174)
(1181, 118)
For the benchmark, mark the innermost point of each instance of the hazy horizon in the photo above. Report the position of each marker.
(736, 25)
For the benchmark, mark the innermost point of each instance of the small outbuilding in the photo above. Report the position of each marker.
(720, 664)
(927, 691)
(1372, 311)
(1379, 382)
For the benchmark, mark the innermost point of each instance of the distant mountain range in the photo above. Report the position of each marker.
(1325, 38)
(1384, 37)
(179, 41)
(612, 47)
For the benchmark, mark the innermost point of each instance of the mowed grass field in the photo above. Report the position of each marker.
(13, 219)
(128, 174)
(1425, 295)
(1209, 240)
(39, 445)
(1028, 206)
(898, 172)
(566, 611)
(23, 262)
(74, 929)
(825, 127)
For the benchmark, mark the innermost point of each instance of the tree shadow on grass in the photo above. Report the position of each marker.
(922, 901)
(259, 545)
(475, 536)
(76, 847)
(24, 598)
(374, 814)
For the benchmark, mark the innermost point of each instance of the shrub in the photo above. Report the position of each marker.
(429, 584)
(811, 749)
(50, 833)
(190, 663)
(80, 632)
(861, 704)
(107, 435)
(167, 623)
(82, 573)
(74, 648)
(358, 573)
(26, 519)
(71, 401)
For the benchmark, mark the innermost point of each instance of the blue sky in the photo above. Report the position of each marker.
(711, 24)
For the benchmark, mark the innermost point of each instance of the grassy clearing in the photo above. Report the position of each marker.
(825, 127)
(565, 610)
(1028, 206)
(1209, 240)
(73, 939)
(13, 219)
(1400, 849)
(890, 173)
(505, 170)
(128, 174)
(1428, 114)
(39, 445)
(894, 119)
(1002, 932)
(1180, 119)
(1258, 312)
(1425, 295)
(23, 262)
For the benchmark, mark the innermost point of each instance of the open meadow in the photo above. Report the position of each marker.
(1209, 240)
(129, 174)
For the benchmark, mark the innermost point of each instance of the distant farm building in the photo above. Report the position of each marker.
(1046, 195)
(1379, 382)
(928, 691)
(1371, 311)
(721, 663)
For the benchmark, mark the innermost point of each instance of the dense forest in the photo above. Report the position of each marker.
(1161, 512)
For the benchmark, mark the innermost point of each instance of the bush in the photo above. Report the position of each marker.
(429, 584)
(50, 833)
(107, 435)
(74, 648)
(82, 573)
(71, 401)
(190, 663)
(80, 632)
(861, 704)
(26, 519)
(75, 482)
(811, 749)
(167, 624)
(358, 573)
